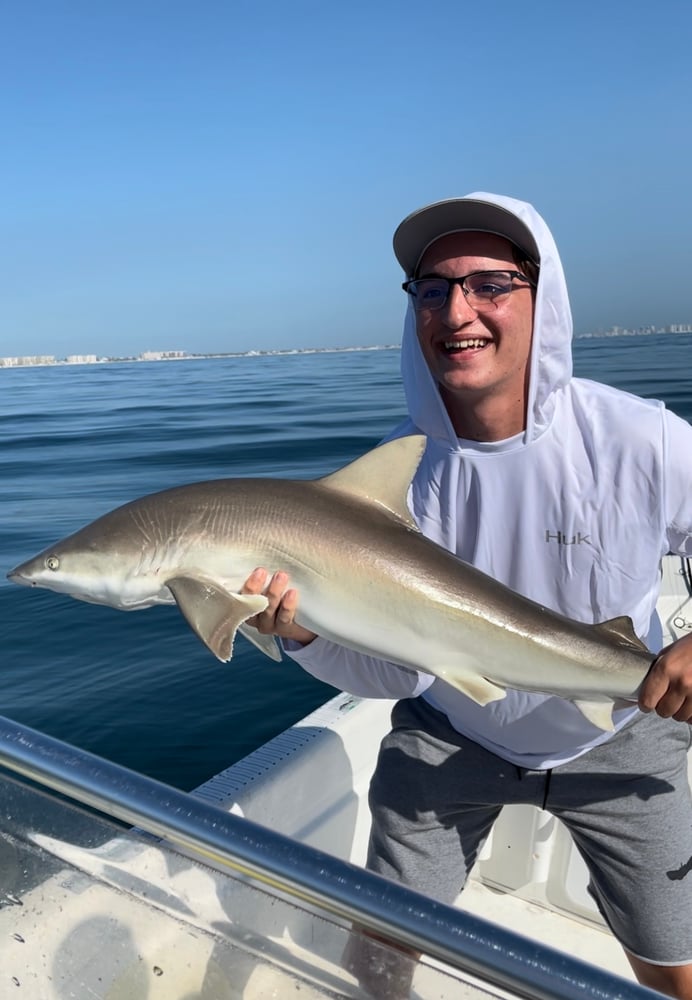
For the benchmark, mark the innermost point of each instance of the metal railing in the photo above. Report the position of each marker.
(232, 844)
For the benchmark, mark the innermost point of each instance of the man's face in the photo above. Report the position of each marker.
(477, 358)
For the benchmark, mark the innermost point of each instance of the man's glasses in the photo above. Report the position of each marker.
(481, 288)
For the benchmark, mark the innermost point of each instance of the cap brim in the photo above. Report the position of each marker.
(457, 215)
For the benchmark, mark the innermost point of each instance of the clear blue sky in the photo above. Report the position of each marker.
(227, 175)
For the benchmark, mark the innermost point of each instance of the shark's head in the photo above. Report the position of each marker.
(88, 565)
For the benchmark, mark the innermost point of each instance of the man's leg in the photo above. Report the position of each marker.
(673, 980)
(628, 807)
(434, 797)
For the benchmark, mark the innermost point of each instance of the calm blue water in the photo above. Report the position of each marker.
(77, 441)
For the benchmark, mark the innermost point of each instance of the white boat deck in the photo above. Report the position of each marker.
(529, 878)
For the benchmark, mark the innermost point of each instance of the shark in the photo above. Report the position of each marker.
(368, 580)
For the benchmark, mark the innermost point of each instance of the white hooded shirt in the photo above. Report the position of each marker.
(574, 513)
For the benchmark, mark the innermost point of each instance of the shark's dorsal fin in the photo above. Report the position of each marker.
(621, 631)
(383, 475)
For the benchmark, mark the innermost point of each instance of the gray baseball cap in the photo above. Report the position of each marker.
(414, 235)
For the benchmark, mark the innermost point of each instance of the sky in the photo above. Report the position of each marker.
(226, 176)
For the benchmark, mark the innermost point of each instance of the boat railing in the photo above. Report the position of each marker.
(238, 848)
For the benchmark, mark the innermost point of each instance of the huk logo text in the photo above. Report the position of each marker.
(562, 539)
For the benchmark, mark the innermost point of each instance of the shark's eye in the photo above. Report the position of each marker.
(52, 562)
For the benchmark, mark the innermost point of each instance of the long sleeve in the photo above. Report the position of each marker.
(356, 673)
(678, 483)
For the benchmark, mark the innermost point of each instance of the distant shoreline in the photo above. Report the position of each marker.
(602, 335)
(43, 361)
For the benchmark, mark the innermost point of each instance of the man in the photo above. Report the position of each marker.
(569, 492)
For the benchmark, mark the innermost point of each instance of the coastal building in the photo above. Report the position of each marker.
(640, 331)
(81, 359)
(162, 355)
(34, 359)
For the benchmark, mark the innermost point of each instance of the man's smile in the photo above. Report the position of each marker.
(465, 344)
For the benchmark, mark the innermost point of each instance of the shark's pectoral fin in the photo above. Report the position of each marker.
(266, 644)
(599, 713)
(478, 688)
(213, 613)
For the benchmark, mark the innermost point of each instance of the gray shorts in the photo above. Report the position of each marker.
(435, 795)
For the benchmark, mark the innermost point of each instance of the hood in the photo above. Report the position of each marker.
(551, 353)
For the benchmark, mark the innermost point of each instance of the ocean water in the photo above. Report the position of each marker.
(139, 688)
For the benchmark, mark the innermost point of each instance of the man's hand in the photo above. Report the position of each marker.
(279, 616)
(667, 688)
